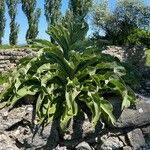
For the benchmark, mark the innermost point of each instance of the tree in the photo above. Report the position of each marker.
(80, 8)
(2, 19)
(52, 11)
(32, 13)
(14, 27)
(134, 12)
(118, 25)
(140, 37)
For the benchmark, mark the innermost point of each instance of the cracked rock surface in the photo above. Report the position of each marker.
(17, 129)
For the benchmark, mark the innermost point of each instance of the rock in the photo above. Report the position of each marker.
(2, 58)
(143, 98)
(123, 139)
(147, 88)
(18, 124)
(136, 139)
(135, 117)
(81, 128)
(60, 147)
(147, 83)
(109, 143)
(83, 146)
(7, 143)
(12, 56)
(146, 131)
(15, 117)
(127, 148)
(115, 51)
(17, 129)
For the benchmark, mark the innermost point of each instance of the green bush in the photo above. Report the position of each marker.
(4, 77)
(138, 37)
(62, 79)
(132, 77)
(148, 57)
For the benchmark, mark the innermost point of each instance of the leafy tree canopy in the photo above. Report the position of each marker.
(32, 13)
(14, 27)
(2, 19)
(118, 24)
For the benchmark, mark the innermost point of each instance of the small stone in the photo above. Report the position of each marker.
(29, 109)
(127, 148)
(123, 139)
(83, 146)
(136, 139)
(5, 114)
(140, 110)
(146, 131)
(110, 143)
(1, 57)
(147, 88)
(147, 83)
(60, 147)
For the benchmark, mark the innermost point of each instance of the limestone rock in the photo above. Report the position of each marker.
(135, 117)
(146, 131)
(60, 147)
(7, 142)
(127, 148)
(109, 143)
(83, 146)
(15, 117)
(9, 57)
(136, 139)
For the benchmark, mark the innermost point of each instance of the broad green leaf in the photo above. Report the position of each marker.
(96, 112)
(64, 119)
(72, 91)
(31, 90)
(108, 109)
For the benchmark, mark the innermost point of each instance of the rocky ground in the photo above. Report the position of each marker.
(131, 131)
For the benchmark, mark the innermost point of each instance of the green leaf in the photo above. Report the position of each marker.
(72, 91)
(31, 90)
(96, 107)
(108, 109)
(65, 118)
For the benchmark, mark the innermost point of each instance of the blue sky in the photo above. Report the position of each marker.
(21, 19)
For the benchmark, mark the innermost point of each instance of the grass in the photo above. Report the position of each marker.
(4, 78)
(15, 46)
(148, 57)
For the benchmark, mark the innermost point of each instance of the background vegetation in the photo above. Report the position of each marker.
(148, 57)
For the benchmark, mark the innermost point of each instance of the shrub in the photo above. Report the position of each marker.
(139, 37)
(133, 76)
(4, 77)
(63, 77)
(148, 57)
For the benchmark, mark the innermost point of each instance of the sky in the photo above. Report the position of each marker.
(21, 19)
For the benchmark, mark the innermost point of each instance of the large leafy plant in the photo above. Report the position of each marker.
(67, 77)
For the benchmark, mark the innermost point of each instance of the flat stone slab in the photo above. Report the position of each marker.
(135, 117)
